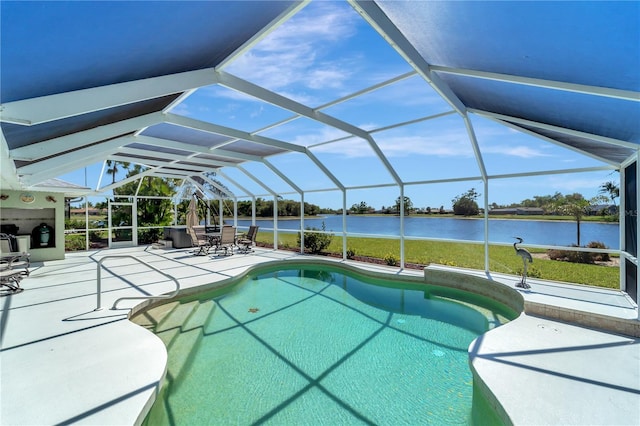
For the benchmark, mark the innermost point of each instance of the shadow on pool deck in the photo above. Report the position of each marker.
(77, 365)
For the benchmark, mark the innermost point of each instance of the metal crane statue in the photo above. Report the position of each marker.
(526, 258)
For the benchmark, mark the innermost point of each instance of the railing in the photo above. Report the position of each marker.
(99, 282)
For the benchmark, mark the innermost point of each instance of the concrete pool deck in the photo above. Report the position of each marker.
(63, 362)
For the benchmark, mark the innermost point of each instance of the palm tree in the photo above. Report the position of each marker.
(112, 168)
(577, 206)
(612, 189)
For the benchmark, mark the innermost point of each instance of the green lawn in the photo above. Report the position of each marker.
(501, 258)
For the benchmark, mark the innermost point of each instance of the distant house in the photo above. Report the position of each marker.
(92, 211)
(517, 211)
(602, 209)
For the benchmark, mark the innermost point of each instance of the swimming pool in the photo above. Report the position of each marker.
(316, 344)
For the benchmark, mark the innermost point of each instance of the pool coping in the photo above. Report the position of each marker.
(84, 366)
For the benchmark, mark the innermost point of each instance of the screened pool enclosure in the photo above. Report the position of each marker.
(330, 103)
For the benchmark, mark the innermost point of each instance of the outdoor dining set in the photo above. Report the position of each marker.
(223, 239)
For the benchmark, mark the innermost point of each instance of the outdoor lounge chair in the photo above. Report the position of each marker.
(10, 278)
(201, 245)
(14, 266)
(227, 239)
(11, 258)
(246, 241)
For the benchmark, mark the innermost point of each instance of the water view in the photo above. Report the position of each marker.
(561, 233)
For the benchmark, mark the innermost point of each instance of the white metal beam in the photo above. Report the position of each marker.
(474, 144)
(563, 130)
(126, 180)
(282, 176)
(259, 92)
(389, 127)
(76, 140)
(196, 149)
(279, 20)
(8, 174)
(218, 186)
(175, 174)
(273, 98)
(173, 157)
(164, 166)
(553, 141)
(227, 131)
(70, 161)
(552, 172)
(63, 105)
(38, 174)
(338, 101)
(324, 169)
(606, 92)
(372, 13)
(234, 182)
(368, 90)
(258, 181)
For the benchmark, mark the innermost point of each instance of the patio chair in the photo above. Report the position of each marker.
(246, 241)
(10, 278)
(227, 239)
(11, 258)
(201, 245)
(14, 266)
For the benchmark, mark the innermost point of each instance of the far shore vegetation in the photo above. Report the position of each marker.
(157, 212)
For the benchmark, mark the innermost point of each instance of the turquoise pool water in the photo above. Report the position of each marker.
(318, 346)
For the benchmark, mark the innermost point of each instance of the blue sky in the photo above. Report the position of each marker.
(325, 52)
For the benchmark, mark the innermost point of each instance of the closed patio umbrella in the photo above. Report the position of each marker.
(192, 214)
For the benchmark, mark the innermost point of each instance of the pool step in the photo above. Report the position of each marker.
(182, 349)
(151, 318)
(180, 326)
(177, 316)
(201, 315)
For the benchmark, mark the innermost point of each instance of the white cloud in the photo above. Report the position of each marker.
(181, 109)
(431, 146)
(257, 112)
(347, 148)
(294, 53)
(588, 186)
(519, 151)
(318, 136)
(451, 144)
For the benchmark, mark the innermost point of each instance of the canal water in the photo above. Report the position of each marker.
(545, 232)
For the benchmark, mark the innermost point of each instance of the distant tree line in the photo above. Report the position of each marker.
(158, 211)
(264, 208)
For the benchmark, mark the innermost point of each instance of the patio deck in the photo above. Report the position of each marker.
(64, 362)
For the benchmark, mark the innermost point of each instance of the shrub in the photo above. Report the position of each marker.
(95, 236)
(149, 236)
(351, 253)
(390, 259)
(571, 256)
(74, 242)
(283, 244)
(316, 240)
(73, 224)
(602, 257)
